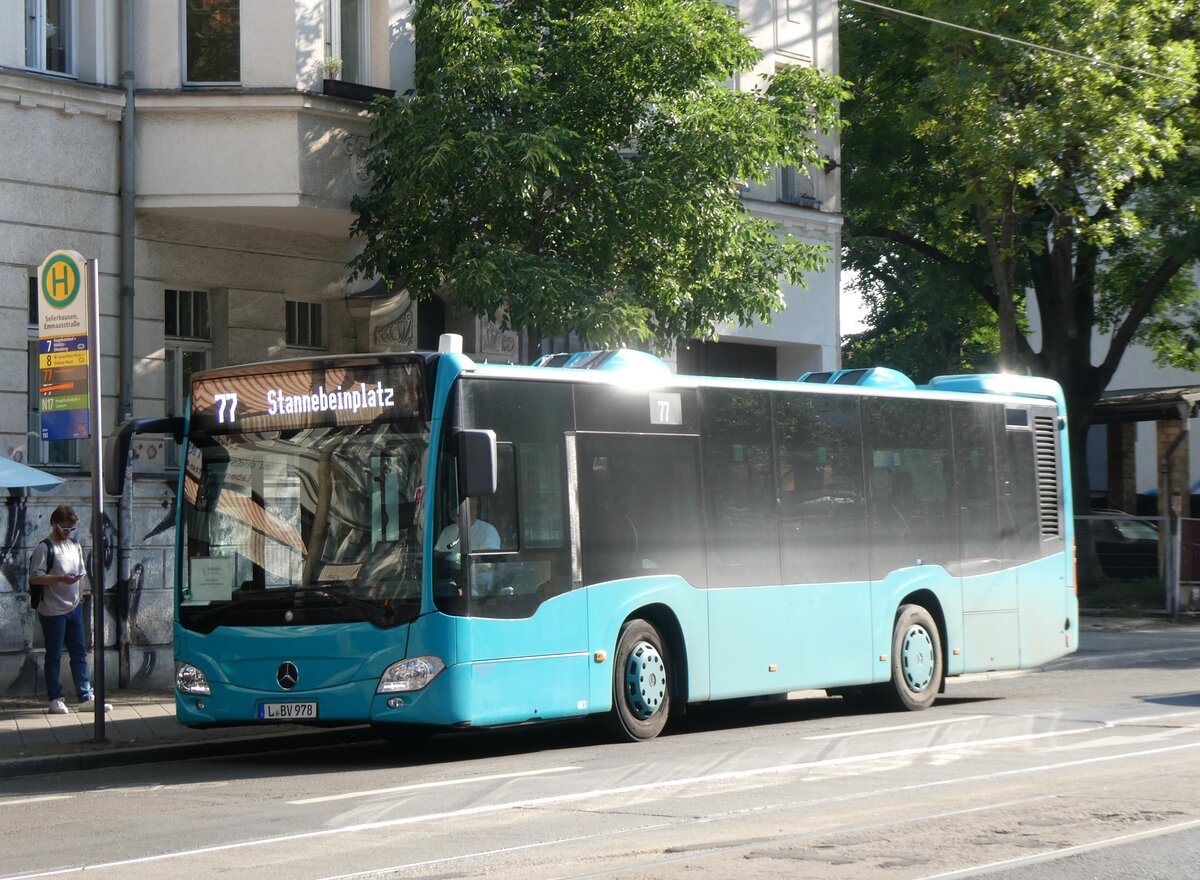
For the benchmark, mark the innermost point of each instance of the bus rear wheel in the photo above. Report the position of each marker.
(916, 659)
(641, 683)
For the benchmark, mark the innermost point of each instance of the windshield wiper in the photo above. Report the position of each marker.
(379, 615)
(241, 596)
(382, 616)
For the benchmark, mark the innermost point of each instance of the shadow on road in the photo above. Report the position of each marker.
(548, 738)
(1188, 699)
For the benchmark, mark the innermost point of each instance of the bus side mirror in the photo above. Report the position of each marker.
(476, 463)
(116, 447)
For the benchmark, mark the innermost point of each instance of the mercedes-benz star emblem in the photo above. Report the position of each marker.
(287, 675)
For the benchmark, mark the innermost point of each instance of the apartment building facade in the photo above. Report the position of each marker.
(205, 153)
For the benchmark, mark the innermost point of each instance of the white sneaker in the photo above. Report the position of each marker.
(59, 707)
(89, 705)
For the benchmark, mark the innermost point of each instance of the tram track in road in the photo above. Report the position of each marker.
(698, 861)
(695, 856)
(1065, 852)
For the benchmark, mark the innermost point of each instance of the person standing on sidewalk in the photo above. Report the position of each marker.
(59, 570)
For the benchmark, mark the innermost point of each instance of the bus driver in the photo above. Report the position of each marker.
(482, 536)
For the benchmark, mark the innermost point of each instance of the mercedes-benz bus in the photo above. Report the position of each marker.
(419, 541)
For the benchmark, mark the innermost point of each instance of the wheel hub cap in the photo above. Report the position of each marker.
(645, 680)
(916, 658)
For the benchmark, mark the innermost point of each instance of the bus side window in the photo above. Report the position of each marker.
(640, 507)
(739, 487)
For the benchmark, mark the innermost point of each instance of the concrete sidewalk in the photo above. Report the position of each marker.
(141, 728)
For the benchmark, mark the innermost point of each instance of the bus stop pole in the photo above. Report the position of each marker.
(96, 575)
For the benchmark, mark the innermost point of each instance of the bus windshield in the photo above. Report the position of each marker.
(318, 525)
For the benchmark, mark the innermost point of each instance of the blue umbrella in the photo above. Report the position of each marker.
(14, 475)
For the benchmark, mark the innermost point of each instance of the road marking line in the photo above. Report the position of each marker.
(1142, 719)
(425, 785)
(541, 844)
(36, 800)
(894, 728)
(1098, 659)
(1051, 855)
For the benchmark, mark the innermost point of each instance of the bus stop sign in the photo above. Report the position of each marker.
(63, 349)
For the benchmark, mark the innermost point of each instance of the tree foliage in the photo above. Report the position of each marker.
(918, 324)
(995, 171)
(575, 166)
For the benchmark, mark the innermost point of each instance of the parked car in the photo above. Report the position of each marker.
(1126, 546)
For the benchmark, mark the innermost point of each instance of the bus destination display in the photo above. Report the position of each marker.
(354, 395)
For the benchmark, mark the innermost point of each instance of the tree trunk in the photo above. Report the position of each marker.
(1000, 256)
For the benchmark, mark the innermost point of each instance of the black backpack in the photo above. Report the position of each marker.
(35, 590)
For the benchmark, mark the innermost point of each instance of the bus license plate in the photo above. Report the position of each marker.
(287, 711)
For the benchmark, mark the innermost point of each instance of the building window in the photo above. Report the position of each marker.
(186, 351)
(346, 37)
(49, 35)
(796, 187)
(212, 41)
(181, 362)
(186, 314)
(305, 324)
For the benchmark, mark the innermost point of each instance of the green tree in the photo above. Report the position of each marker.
(919, 324)
(575, 166)
(1013, 169)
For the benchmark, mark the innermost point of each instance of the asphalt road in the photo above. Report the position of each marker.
(1084, 770)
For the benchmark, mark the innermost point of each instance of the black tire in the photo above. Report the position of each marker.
(917, 663)
(641, 683)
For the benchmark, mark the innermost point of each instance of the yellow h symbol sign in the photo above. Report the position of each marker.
(61, 277)
(62, 281)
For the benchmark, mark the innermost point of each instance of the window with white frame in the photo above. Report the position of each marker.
(212, 39)
(347, 37)
(50, 36)
(305, 324)
(52, 452)
(187, 349)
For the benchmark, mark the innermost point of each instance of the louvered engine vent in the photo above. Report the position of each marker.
(1049, 493)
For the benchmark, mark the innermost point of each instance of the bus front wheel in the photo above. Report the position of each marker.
(641, 682)
(916, 659)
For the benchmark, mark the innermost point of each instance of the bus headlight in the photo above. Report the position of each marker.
(190, 680)
(409, 675)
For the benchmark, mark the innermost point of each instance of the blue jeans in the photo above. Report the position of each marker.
(66, 630)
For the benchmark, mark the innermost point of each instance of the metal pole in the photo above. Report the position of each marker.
(125, 403)
(1176, 552)
(128, 193)
(1168, 540)
(124, 569)
(95, 394)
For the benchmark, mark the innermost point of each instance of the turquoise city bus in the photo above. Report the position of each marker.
(632, 541)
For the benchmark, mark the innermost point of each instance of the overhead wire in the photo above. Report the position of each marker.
(1001, 37)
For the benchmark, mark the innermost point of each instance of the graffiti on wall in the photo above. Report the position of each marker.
(138, 609)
